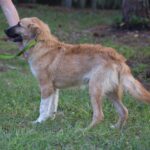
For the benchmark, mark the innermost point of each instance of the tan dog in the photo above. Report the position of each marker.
(57, 65)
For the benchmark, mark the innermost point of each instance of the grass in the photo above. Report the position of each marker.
(20, 97)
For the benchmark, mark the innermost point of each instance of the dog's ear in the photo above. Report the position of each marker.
(35, 20)
(34, 29)
(39, 29)
(35, 26)
(41, 24)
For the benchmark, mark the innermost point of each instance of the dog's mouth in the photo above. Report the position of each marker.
(12, 35)
(15, 38)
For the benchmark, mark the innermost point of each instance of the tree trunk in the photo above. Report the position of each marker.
(82, 3)
(67, 3)
(132, 8)
(94, 4)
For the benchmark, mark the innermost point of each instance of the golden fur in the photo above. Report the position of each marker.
(58, 65)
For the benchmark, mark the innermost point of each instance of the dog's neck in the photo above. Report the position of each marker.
(26, 44)
(41, 45)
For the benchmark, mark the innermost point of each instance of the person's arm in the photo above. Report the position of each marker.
(10, 12)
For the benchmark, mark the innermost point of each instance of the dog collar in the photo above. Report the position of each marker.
(29, 45)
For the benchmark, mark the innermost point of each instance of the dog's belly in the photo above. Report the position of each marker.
(64, 82)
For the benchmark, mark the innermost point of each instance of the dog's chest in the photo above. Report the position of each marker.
(32, 68)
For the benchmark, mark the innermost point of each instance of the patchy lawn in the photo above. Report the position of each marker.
(20, 97)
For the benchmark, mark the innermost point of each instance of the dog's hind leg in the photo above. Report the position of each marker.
(115, 97)
(96, 101)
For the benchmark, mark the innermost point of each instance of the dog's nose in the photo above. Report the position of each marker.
(10, 32)
(7, 31)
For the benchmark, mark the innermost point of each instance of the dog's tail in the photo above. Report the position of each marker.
(133, 86)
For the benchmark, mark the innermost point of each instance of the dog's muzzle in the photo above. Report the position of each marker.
(11, 33)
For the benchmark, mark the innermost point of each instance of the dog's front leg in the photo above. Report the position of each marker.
(49, 100)
(53, 111)
(45, 109)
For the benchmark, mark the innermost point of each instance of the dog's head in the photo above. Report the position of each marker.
(27, 29)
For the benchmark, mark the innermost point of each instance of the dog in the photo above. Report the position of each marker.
(57, 65)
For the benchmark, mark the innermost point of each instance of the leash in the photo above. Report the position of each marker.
(30, 44)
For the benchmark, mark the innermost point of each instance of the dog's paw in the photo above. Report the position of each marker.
(112, 126)
(39, 120)
(35, 122)
(115, 126)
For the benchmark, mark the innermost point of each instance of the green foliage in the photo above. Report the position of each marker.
(139, 69)
(135, 21)
(117, 21)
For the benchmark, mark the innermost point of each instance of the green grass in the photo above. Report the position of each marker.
(20, 97)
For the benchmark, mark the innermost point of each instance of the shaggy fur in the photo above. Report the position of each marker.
(58, 65)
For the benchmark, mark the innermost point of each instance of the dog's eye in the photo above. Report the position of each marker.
(29, 26)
